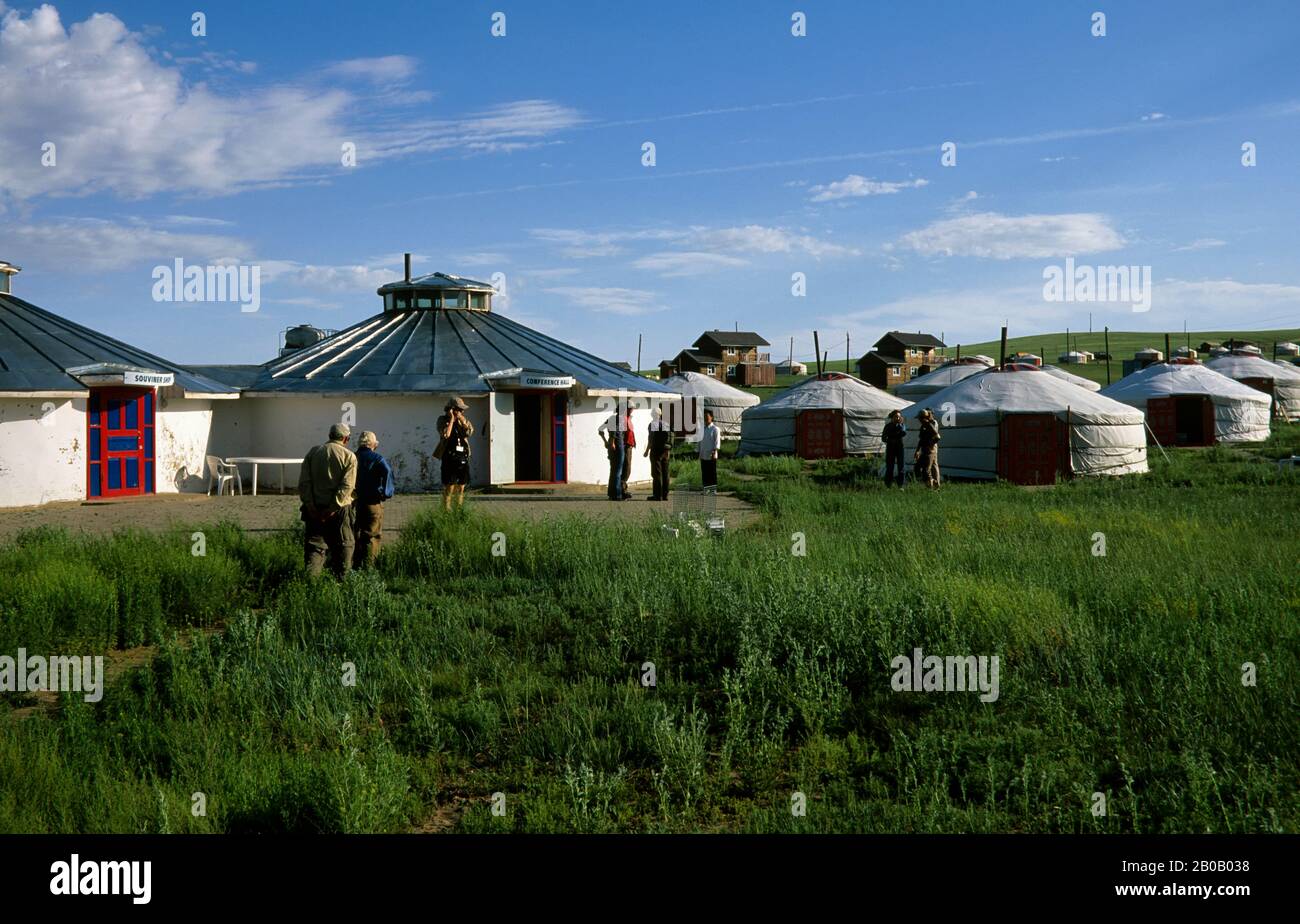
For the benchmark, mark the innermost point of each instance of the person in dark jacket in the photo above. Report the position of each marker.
(893, 434)
(659, 448)
(454, 431)
(374, 486)
(927, 449)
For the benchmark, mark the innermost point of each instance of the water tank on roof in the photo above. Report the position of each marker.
(301, 337)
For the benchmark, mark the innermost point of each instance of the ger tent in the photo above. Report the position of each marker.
(1272, 378)
(1070, 377)
(1028, 426)
(827, 416)
(940, 378)
(702, 393)
(1193, 405)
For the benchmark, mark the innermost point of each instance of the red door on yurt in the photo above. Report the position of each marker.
(1033, 448)
(1162, 418)
(819, 434)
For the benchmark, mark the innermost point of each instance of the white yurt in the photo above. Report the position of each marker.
(826, 416)
(1027, 426)
(1272, 378)
(702, 393)
(1287, 348)
(1188, 404)
(941, 378)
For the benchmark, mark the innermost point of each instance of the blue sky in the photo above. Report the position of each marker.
(775, 155)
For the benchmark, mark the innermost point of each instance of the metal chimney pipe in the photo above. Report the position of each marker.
(408, 267)
(6, 270)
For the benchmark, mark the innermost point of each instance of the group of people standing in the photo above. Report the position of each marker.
(619, 438)
(925, 458)
(343, 492)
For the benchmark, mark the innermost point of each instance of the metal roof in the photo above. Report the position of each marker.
(437, 281)
(38, 350)
(435, 350)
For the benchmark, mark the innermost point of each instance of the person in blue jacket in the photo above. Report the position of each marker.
(374, 486)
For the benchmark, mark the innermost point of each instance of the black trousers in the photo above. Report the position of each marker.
(893, 460)
(659, 475)
(709, 472)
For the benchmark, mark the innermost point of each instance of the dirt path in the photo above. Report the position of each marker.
(274, 512)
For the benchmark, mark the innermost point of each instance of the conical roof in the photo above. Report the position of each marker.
(1242, 366)
(982, 398)
(1070, 377)
(832, 390)
(41, 352)
(706, 387)
(1163, 380)
(939, 379)
(437, 350)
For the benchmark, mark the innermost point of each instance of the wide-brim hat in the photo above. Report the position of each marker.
(458, 404)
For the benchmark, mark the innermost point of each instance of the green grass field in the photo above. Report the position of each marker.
(520, 674)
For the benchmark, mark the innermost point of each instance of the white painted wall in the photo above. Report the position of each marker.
(502, 438)
(406, 427)
(42, 450)
(588, 460)
(182, 436)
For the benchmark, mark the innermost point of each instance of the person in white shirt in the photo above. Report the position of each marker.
(710, 441)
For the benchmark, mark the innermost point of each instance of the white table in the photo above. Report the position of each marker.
(255, 461)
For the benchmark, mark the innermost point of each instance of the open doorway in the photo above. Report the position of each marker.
(1182, 420)
(541, 437)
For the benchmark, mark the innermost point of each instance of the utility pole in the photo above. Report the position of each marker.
(847, 353)
(638, 354)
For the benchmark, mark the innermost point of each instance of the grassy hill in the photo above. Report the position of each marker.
(1123, 344)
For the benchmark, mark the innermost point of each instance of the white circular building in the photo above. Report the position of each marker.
(1029, 427)
(1187, 404)
(702, 393)
(1274, 379)
(825, 417)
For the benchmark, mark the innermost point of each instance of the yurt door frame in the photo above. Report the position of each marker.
(819, 434)
(1182, 420)
(1032, 448)
(550, 442)
(120, 442)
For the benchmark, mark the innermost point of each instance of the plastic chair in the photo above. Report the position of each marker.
(221, 472)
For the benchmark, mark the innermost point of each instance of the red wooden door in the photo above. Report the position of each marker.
(1030, 448)
(1162, 418)
(120, 442)
(1211, 435)
(819, 434)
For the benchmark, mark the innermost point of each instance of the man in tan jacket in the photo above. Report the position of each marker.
(326, 485)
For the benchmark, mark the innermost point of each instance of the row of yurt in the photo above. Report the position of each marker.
(702, 393)
(825, 417)
(1280, 380)
(1024, 425)
(1188, 404)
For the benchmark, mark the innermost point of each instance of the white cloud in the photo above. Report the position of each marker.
(482, 258)
(1007, 237)
(71, 246)
(1153, 117)
(126, 122)
(687, 262)
(610, 300)
(1201, 243)
(853, 186)
(386, 69)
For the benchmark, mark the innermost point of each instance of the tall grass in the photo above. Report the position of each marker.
(521, 673)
